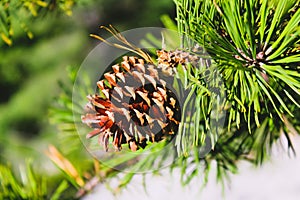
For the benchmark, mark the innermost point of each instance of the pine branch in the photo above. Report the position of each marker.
(255, 49)
(261, 92)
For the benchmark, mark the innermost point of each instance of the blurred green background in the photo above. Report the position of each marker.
(31, 68)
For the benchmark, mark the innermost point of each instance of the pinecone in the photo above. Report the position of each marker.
(135, 104)
(168, 61)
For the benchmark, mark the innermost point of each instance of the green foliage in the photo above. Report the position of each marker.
(27, 186)
(15, 13)
(259, 74)
(28, 85)
(61, 113)
(202, 112)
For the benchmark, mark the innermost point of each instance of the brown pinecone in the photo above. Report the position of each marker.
(135, 104)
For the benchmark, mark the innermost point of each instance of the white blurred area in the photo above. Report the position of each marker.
(277, 179)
